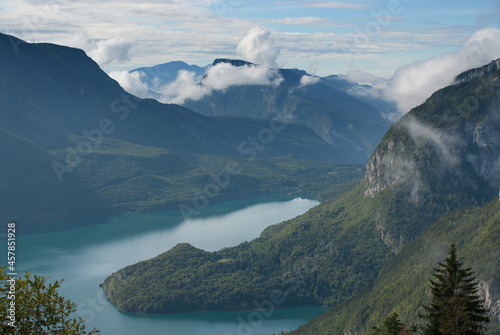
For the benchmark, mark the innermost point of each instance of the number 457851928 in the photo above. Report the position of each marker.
(11, 246)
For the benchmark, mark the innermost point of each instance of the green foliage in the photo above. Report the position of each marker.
(39, 309)
(420, 184)
(456, 306)
(402, 285)
(393, 326)
(344, 230)
(119, 177)
(323, 257)
(315, 259)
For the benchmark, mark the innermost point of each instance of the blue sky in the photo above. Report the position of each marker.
(321, 37)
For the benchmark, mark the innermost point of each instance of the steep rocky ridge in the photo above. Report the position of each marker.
(445, 152)
(478, 72)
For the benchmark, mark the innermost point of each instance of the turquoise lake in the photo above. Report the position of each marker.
(85, 256)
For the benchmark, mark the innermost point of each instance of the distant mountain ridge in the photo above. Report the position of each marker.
(234, 62)
(67, 93)
(325, 105)
(163, 74)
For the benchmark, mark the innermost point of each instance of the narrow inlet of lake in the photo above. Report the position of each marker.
(85, 256)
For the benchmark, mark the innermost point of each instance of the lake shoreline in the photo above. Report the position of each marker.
(81, 222)
(85, 256)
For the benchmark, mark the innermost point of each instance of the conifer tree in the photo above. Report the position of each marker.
(393, 326)
(390, 326)
(456, 307)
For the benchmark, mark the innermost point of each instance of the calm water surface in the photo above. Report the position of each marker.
(84, 257)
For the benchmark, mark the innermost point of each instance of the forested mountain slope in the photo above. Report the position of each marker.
(403, 283)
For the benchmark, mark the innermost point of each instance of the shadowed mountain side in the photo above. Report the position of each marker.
(338, 117)
(50, 92)
(30, 193)
(119, 177)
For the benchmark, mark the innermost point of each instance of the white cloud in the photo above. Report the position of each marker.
(185, 87)
(446, 145)
(77, 39)
(218, 78)
(413, 84)
(132, 83)
(334, 5)
(308, 80)
(103, 52)
(258, 47)
(365, 78)
(114, 49)
(196, 32)
(224, 75)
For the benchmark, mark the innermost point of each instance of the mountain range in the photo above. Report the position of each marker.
(433, 180)
(331, 106)
(76, 145)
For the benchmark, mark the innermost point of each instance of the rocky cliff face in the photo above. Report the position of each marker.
(486, 141)
(454, 137)
(441, 156)
(471, 158)
(386, 166)
(479, 72)
(490, 292)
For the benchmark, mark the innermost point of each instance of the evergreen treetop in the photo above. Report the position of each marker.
(456, 307)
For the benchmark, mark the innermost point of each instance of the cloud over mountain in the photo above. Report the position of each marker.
(218, 78)
(411, 85)
(132, 83)
(103, 51)
(309, 80)
(258, 47)
(113, 49)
